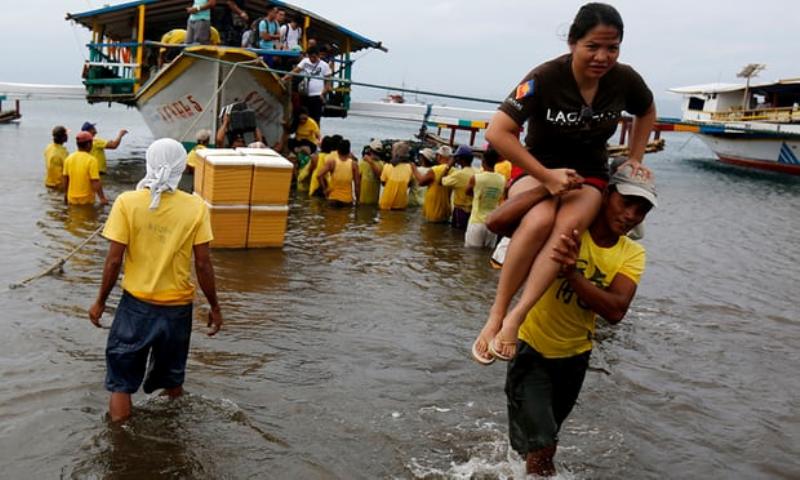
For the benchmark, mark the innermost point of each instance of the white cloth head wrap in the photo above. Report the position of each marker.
(166, 160)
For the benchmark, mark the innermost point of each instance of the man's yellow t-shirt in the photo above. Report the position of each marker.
(370, 184)
(54, 156)
(560, 325)
(437, 198)
(487, 193)
(458, 180)
(81, 168)
(191, 159)
(504, 169)
(159, 243)
(99, 152)
(307, 131)
(395, 188)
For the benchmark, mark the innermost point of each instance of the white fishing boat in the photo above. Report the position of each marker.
(751, 125)
(179, 97)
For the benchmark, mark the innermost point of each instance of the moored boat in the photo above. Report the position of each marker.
(193, 90)
(756, 126)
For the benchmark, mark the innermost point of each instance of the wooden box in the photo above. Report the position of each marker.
(267, 226)
(230, 224)
(227, 179)
(272, 179)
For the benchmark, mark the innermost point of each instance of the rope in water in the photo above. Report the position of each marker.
(58, 264)
(349, 82)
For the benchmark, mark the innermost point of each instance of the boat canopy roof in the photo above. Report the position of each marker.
(789, 85)
(162, 16)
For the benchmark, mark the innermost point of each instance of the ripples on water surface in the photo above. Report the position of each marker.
(345, 355)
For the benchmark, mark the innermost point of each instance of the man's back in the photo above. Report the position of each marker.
(458, 180)
(54, 156)
(81, 168)
(488, 191)
(560, 325)
(159, 243)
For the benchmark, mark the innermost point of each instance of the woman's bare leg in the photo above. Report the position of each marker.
(576, 211)
(530, 235)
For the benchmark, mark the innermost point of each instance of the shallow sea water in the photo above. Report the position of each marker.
(346, 353)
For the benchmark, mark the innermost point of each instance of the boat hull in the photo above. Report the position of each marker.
(766, 153)
(189, 94)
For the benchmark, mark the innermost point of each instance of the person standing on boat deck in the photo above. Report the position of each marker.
(154, 231)
(280, 19)
(54, 156)
(344, 177)
(312, 90)
(369, 168)
(198, 28)
(395, 178)
(99, 145)
(487, 189)
(458, 180)
(572, 106)
(599, 271)
(436, 207)
(291, 34)
(234, 20)
(81, 178)
(268, 30)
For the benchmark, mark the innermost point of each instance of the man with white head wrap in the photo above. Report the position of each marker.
(155, 229)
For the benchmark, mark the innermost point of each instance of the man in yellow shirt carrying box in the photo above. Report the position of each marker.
(155, 230)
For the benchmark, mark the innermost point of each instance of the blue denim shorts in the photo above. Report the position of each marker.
(141, 329)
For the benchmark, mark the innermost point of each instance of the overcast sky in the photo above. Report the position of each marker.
(472, 47)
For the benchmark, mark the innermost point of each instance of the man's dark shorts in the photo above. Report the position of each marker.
(139, 329)
(540, 393)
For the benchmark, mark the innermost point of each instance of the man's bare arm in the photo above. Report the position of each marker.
(205, 277)
(113, 264)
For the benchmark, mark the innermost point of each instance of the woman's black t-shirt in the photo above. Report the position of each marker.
(564, 132)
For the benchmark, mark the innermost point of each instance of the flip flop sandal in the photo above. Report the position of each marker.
(496, 354)
(478, 357)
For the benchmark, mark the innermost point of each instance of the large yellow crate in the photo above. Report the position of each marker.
(272, 179)
(267, 226)
(200, 167)
(230, 224)
(227, 180)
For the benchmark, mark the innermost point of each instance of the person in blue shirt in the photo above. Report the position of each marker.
(198, 29)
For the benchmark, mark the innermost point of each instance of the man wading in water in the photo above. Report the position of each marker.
(599, 272)
(156, 229)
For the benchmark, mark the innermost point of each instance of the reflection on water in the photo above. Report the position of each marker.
(345, 354)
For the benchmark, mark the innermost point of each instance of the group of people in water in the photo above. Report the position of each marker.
(77, 175)
(562, 213)
(394, 177)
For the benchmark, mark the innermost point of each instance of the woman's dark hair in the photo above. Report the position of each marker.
(592, 15)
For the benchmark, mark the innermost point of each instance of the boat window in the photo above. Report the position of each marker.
(696, 103)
